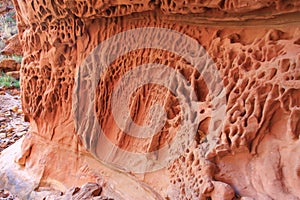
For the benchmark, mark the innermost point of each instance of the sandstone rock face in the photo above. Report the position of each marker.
(13, 46)
(8, 65)
(253, 47)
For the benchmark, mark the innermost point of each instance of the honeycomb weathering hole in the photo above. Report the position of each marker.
(255, 46)
(111, 127)
(143, 99)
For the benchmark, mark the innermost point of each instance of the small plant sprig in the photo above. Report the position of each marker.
(8, 81)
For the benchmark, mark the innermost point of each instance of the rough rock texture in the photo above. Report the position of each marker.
(14, 74)
(87, 191)
(256, 48)
(8, 65)
(13, 46)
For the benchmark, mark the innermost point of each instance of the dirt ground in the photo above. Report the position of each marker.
(12, 125)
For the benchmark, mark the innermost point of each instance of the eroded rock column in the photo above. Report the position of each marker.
(254, 48)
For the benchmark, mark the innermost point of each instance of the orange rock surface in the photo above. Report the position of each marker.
(255, 47)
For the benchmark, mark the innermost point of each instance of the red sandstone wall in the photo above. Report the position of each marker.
(255, 48)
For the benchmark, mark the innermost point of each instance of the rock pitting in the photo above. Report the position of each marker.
(256, 50)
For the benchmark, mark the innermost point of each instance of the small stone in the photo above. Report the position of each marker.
(4, 195)
(14, 74)
(14, 108)
(8, 65)
(20, 111)
(20, 134)
(2, 119)
(222, 191)
(2, 135)
(3, 145)
(7, 114)
(20, 128)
